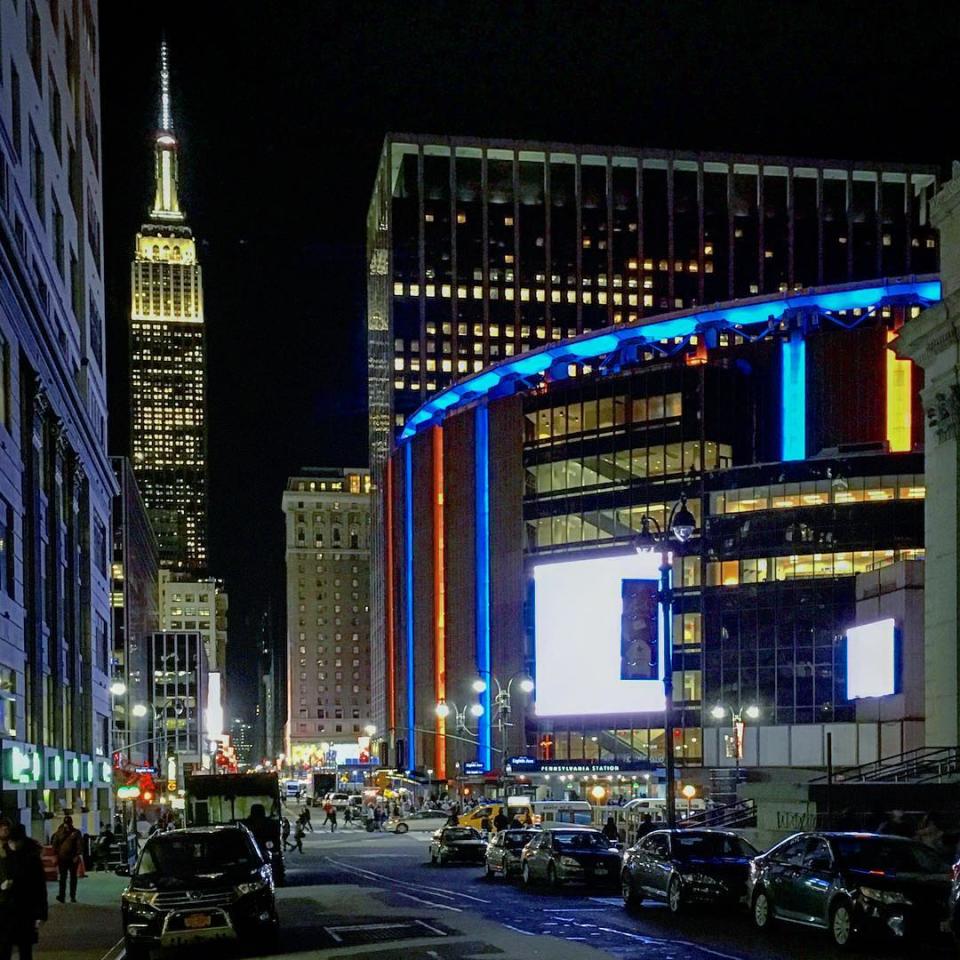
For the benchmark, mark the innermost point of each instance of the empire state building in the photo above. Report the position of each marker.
(167, 364)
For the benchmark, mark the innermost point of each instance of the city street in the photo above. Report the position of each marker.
(355, 894)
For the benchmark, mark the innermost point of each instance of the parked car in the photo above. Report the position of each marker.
(559, 854)
(681, 867)
(457, 844)
(503, 852)
(852, 884)
(419, 822)
(195, 885)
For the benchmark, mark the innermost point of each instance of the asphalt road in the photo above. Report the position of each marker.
(398, 871)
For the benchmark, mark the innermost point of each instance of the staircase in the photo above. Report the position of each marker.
(920, 765)
(741, 813)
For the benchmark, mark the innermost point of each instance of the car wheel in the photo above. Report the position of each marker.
(525, 874)
(552, 877)
(631, 900)
(401, 828)
(842, 930)
(487, 872)
(675, 896)
(762, 910)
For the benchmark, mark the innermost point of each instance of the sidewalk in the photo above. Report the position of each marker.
(85, 930)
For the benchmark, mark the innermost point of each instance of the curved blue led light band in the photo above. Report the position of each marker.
(732, 315)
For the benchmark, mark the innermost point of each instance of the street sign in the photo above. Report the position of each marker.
(473, 768)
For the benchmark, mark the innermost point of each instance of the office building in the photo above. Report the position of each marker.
(56, 484)
(134, 592)
(481, 250)
(168, 418)
(519, 500)
(201, 606)
(178, 672)
(327, 516)
(241, 736)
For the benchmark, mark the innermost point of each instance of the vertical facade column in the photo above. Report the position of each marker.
(932, 340)
(411, 760)
(391, 640)
(793, 397)
(439, 607)
(482, 575)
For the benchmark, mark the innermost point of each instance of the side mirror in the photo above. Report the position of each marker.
(123, 870)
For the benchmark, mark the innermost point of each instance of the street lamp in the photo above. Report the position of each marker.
(444, 708)
(118, 688)
(681, 526)
(370, 729)
(738, 723)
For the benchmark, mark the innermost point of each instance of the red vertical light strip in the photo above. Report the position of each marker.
(439, 609)
(391, 623)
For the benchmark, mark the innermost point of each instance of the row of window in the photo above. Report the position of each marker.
(813, 493)
(732, 573)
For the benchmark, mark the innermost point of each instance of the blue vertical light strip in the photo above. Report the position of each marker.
(793, 397)
(482, 572)
(408, 587)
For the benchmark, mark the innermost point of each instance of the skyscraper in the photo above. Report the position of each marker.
(167, 363)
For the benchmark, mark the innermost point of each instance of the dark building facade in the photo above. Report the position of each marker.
(482, 250)
(794, 431)
(134, 588)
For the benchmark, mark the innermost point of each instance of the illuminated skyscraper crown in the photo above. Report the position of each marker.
(166, 203)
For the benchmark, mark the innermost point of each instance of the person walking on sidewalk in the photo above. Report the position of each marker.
(332, 817)
(67, 844)
(28, 895)
(305, 816)
(285, 834)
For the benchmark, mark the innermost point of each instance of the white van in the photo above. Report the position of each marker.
(562, 811)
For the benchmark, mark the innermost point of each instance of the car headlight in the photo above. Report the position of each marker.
(252, 886)
(146, 897)
(701, 879)
(883, 896)
(570, 862)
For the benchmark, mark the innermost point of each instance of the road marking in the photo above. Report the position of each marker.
(116, 952)
(355, 927)
(429, 903)
(439, 891)
(526, 933)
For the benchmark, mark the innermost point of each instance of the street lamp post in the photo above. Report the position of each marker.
(444, 708)
(737, 722)
(681, 525)
(501, 703)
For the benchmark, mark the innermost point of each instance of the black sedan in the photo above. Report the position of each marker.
(559, 854)
(198, 885)
(503, 852)
(457, 844)
(852, 884)
(680, 867)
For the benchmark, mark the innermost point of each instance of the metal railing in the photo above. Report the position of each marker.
(920, 765)
(742, 813)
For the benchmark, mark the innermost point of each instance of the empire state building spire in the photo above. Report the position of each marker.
(166, 204)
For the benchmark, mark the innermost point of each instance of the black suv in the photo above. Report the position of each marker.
(203, 883)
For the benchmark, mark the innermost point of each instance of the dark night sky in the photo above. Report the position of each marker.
(281, 116)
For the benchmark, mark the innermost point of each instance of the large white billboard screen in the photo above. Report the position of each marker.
(579, 624)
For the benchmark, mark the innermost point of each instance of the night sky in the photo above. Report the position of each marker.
(281, 116)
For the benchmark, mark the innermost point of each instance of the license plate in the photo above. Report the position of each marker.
(600, 871)
(196, 921)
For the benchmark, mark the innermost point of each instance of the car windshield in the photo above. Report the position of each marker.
(515, 841)
(704, 845)
(205, 855)
(581, 840)
(888, 855)
(460, 833)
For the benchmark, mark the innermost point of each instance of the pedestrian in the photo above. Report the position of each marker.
(298, 834)
(485, 827)
(646, 825)
(500, 821)
(347, 818)
(930, 834)
(101, 849)
(895, 825)
(28, 895)
(328, 809)
(610, 830)
(67, 843)
(285, 834)
(308, 825)
(7, 870)
(528, 820)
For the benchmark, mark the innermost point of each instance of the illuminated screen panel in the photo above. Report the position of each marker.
(872, 660)
(579, 622)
